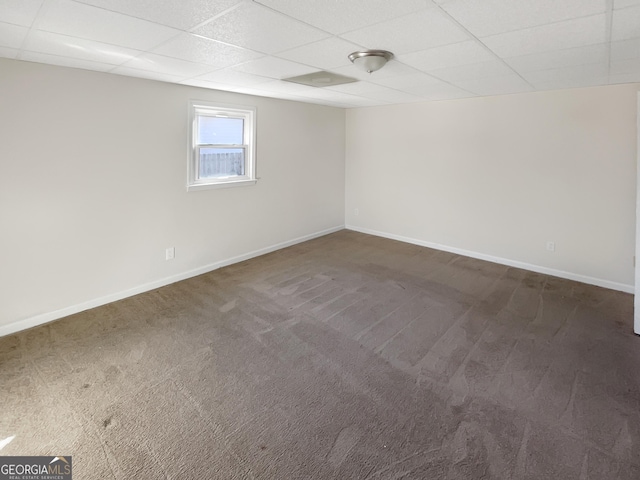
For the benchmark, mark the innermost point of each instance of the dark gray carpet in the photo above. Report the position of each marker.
(346, 357)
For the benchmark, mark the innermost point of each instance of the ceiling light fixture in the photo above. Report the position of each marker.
(370, 60)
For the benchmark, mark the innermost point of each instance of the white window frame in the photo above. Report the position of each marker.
(198, 108)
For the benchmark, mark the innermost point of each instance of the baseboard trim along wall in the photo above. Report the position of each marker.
(64, 312)
(503, 261)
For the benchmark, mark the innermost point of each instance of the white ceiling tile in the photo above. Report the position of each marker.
(172, 66)
(493, 68)
(625, 3)
(405, 82)
(620, 67)
(391, 69)
(560, 58)
(556, 36)
(84, 21)
(184, 14)
(357, 88)
(490, 17)
(439, 91)
(251, 45)
(596, 70)
(578, 83)
(55, 44)
(392, 96)
(258, 28)
(496, 85)
(626, 24)
(12, 36)
(64, 61)
(8, 52)
(336, 97)
(418, 31)
(338, 16)
(326, 54)
(447, 56)
(624, 78)
(134, 72)
(364, 102)
(19, 12)
(274, 68)
(198, 82)
(625, 49)
(204, 50)
(284, 87)
(255, 91)
(233, 77)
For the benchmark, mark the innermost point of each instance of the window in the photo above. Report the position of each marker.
(221, 146)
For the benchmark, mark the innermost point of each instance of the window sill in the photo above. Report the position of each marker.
(226, 184)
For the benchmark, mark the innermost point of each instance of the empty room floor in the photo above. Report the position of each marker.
(345, 357)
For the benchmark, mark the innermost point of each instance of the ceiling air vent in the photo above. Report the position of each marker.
(320, 79)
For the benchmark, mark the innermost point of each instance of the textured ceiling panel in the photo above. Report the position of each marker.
(490, 17)
(261, 29)
(443, 48)
(184, 14)
(340, 16)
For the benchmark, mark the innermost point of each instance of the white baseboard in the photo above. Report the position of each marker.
(502, 261)
(64, 312)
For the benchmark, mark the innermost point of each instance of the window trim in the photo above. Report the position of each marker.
(199, 108)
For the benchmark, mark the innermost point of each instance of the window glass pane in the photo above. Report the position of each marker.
(217, 130)
(221, 162)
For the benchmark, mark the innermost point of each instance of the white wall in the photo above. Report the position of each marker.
(92, 188)
(498, 177)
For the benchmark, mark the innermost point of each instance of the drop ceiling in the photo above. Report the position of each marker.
(444, 49)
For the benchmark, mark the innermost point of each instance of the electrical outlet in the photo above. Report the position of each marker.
(170, 253)
(551, 246)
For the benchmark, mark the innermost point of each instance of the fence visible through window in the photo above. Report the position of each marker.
(221, 164)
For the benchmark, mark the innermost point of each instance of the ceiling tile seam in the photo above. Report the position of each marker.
(627, 7)
(213, 68)
(42, 10)
(15, 24)
(150, 50)
(110, 66)
(544, 25)
(140, 52)
(203, 37)
(555, 22)
(34, 25)
(280, 52)
(485, 47)
(197, 77)
(339, 35)
(607, 36)
(215, 17)
(280, 14)
(358, 97)
(318, 69)
(429, 74)
(507, 59)
(288, 98)
(88, 40)
(90, 5)
(382, 21)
